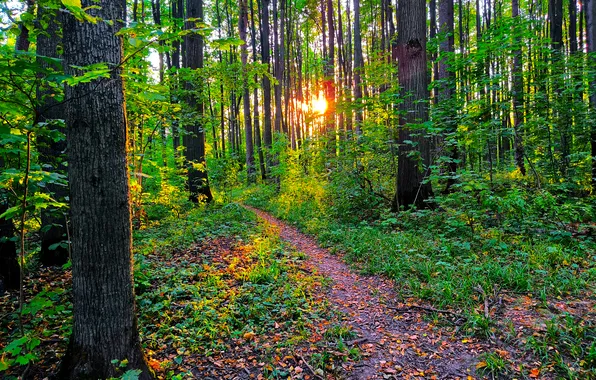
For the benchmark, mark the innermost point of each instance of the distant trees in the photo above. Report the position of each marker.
(104, 325)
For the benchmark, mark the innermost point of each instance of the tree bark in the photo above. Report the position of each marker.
(591, 42)
(257, 127)
(413, 80)
(266, 59)
(250, 155)
(358, 68)
(446, 78)
(518, 145)
(278, 48)
(10, 273)
(53, 223)
(194, 139)
(104, 324)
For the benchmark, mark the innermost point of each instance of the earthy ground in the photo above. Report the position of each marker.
(395, 340)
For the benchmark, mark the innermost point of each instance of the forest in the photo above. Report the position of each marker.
(298, 189)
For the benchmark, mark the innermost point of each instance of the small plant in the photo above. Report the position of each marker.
(493, 363)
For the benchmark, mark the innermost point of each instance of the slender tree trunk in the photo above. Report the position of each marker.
(278, 43)
(329, 83)
(22, 43)
(177, 15)
(433, 55)
(591, 42)
(518, 86)
(358, 68)
(446, 90)
(266, 59)
(104, 324)
(250, 155)
(194, 139)
(257, 127)
(413, 80)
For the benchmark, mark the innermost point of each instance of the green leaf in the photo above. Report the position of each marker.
(16, 346)
(11, 213)
(132, 374)
(54, 246)
(72, 3)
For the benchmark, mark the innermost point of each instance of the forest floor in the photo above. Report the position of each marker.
(403, 338)
(394, 339)
(225, 294)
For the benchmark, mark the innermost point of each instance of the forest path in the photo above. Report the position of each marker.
(394, 339)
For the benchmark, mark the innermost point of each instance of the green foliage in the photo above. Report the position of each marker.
(480, 240)
(39, 315)
(569, 344)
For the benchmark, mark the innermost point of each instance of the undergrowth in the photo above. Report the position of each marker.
(214, 287)
(472, 247)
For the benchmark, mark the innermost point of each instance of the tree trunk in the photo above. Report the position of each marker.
(329, 83)
(257, 127)
(413, 80)
(104, 324)
(250, 155)
(591, 42)
(278, 48)
(194, 139)
(177, 15)
(518, 87)
(358, 68)
(10, 273)
(22, 43)
(446, 93)
(53, 223)
(266, 59)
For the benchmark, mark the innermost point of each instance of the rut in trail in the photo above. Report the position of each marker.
(394, 339)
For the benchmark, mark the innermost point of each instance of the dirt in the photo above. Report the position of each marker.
(394, 337)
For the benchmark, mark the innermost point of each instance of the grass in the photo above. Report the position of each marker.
(213, 286)
(477, 245)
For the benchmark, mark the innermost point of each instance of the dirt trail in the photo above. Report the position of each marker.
(395, 340)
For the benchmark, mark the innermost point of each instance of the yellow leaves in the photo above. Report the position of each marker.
(249, 335)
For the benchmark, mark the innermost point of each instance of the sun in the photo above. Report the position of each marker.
(319, 105)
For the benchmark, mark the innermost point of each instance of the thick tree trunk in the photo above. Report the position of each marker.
(413, 80)
(104, 324)
(53, 223)
(194, 139)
